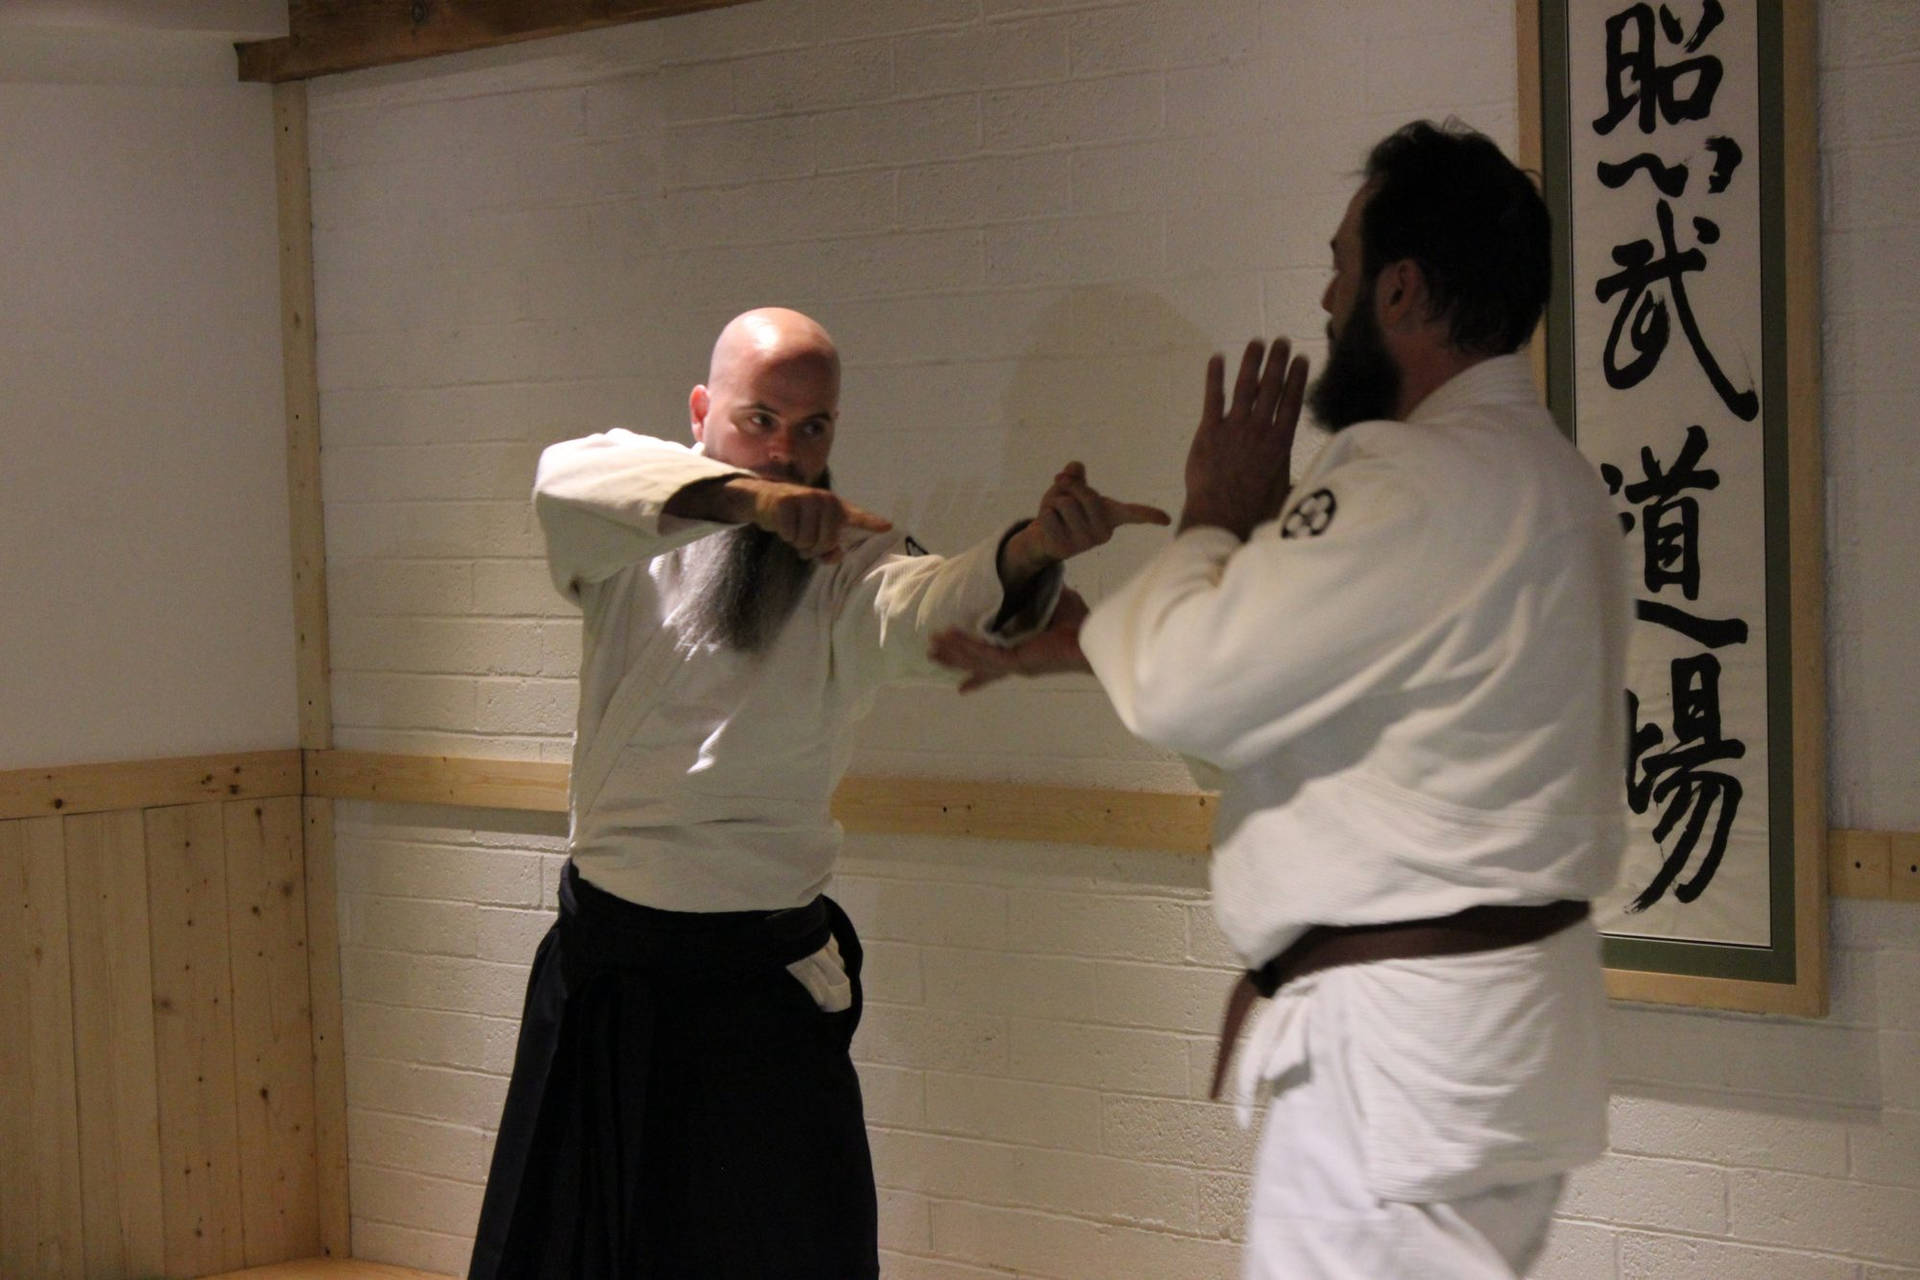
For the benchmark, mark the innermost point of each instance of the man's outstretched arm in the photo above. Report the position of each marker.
(1006, 588)
(811, 521)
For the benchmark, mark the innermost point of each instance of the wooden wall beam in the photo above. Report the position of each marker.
(399, 779)
(1174, 822)
(326, 1158)
(1858, 861)
(892, 806)
(145, 784)
(329, 36)
(300, 378)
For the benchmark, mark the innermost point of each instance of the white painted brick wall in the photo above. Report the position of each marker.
(1027, 221)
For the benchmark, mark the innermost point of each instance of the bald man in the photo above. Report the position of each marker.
(683, 1104)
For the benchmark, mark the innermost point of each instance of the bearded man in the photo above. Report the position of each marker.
(1406, 672)
(683, 1105)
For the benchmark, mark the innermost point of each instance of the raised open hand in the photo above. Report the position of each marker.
(1238, 464)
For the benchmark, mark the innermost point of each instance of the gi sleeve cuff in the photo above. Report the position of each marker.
(1029, 607)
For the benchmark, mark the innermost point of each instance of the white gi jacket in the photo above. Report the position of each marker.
(1412, 684)
(702, 776)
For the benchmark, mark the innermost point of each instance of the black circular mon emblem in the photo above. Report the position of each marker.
(1310, 518)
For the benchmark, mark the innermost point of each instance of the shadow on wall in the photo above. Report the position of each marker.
(1102, 380)
(1114, 377)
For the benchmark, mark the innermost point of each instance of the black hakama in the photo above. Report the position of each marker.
(681, 1108)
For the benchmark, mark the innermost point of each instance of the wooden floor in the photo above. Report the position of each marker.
(328, 1269)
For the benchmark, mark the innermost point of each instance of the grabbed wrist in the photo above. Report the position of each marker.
(1021, 558)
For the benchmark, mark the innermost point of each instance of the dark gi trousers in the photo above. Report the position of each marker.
(680, 1107)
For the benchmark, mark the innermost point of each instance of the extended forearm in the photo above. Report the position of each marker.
(809, 520)
(721, 499)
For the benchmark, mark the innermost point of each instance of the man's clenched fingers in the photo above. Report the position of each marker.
(812, 522)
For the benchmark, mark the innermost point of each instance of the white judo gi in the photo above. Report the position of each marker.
(702, 776)
(1411, 684)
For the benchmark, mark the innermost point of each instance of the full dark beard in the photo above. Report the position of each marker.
(740, 588)
(1360, 382)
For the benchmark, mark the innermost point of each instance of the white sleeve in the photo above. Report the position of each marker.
(894, 604)
(1225, 651)
(601, 501)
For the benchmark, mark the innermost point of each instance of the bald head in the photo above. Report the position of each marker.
(771, 397)
(770, 335)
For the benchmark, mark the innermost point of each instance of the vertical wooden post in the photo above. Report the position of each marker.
(308, 529)
(303, 414)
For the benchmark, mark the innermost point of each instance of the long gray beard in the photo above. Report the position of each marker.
(739, 588)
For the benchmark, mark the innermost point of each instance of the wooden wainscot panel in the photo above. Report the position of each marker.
(40, 1227)
(193, 1033)
(329, 1053)
(273, 1028)
(114, 1045)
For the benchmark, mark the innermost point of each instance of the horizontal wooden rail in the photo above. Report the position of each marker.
(1861, 863)
(526, 786)
(891, 806)
(148, 784)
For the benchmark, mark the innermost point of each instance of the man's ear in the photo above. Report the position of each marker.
(1400, 294)
(698, 402)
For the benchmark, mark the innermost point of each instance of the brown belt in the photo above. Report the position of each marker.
(1325, 946)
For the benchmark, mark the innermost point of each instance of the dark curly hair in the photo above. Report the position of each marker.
(1445, 196)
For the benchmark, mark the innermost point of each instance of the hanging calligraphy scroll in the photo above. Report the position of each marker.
(1675, 143)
